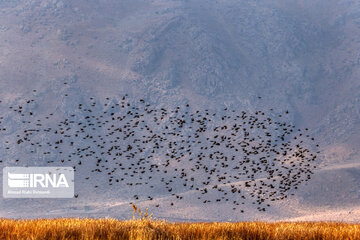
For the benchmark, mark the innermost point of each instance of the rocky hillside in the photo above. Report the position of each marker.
(297, 56)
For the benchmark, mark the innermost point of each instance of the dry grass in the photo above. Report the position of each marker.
(72, 228)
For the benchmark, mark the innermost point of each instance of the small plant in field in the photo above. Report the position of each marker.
(142, 215)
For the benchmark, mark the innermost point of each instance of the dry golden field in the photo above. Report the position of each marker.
(73, 228)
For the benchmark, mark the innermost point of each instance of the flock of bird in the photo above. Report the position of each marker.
(223, 156)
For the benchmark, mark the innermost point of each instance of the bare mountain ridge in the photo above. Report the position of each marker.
(297, 56)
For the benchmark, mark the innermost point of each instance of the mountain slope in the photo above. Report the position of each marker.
(300, 56)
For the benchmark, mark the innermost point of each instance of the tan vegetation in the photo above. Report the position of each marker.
(142, 227)
(73, 228)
